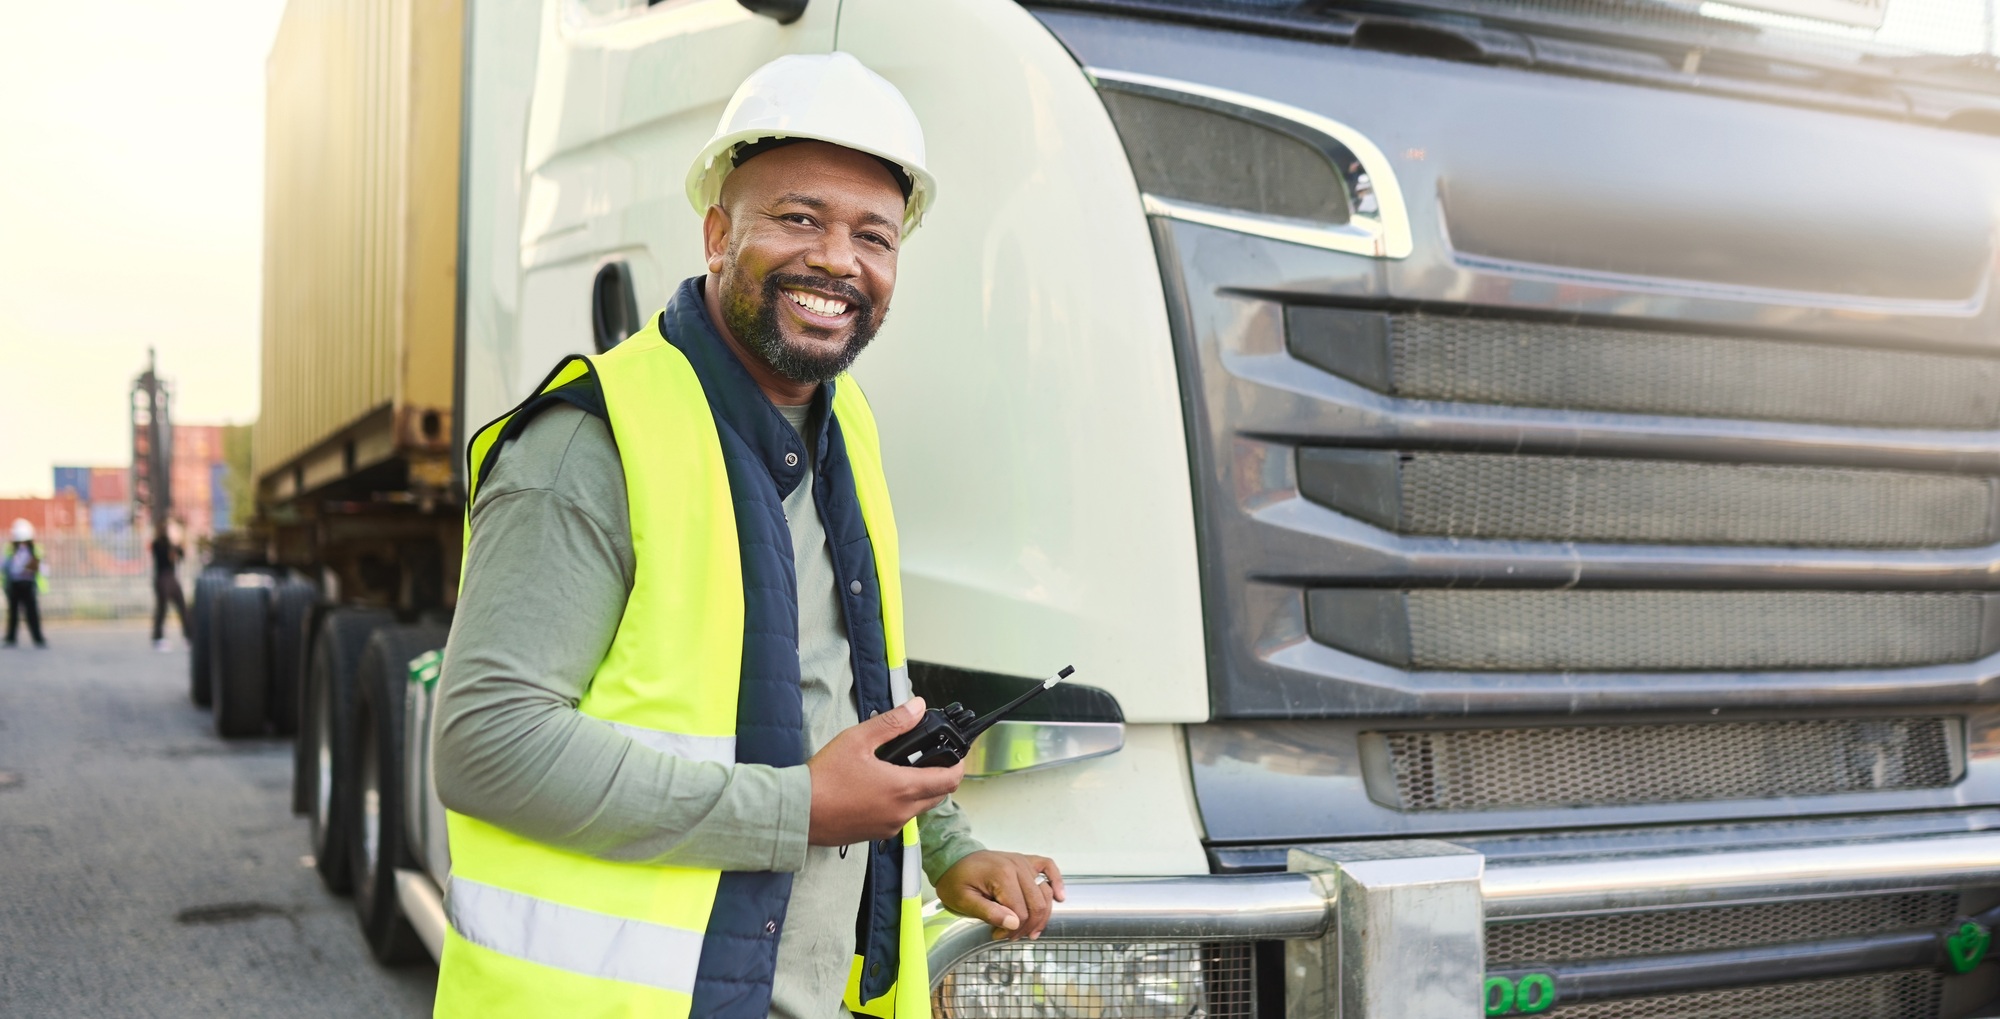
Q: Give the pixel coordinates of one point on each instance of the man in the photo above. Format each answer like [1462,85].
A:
[23,569]
[679,641]
[167,556]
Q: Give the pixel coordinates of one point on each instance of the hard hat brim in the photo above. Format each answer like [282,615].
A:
[712,167]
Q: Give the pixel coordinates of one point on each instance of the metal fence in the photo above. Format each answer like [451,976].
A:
[101,576]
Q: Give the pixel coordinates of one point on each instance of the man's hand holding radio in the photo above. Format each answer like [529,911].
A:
[857,797]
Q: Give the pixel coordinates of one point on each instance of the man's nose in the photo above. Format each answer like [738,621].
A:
[834,254]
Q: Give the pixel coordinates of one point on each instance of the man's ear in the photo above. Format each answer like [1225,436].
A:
[715,237]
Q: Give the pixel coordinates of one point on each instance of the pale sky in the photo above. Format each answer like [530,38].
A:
[131,211]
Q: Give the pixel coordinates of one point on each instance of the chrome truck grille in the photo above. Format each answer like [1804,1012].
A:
[1592,765]
[1680,556]
[1483,500]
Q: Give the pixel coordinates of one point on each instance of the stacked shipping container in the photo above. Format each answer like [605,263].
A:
[61,514]
[197,455]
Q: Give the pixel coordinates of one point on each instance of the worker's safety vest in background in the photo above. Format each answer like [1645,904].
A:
[539,931]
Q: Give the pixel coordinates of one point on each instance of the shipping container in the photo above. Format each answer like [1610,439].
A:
[361,234]
[60,514]
[110,485]
[221,506]
[198,443]
[108,519]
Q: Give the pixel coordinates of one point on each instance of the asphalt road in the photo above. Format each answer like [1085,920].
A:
[147,868]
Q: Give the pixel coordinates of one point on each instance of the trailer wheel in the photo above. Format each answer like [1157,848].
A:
[378,843]
[326,767]
[207,588]
[304,756]
[291,613]
[243,658]
[211,672]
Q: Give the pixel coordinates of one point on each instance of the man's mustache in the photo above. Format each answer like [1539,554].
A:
[825,285]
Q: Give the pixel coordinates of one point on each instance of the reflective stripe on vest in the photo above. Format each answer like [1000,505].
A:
[577,940]
[538,931]
[719,749]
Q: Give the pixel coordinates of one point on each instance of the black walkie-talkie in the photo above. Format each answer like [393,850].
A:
[945,735]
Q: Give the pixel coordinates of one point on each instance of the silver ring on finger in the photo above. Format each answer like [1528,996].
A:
[1041,877]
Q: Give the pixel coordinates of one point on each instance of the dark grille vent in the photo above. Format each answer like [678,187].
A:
[1538,364]
[1885,996]
[1204,155]
[1546,498]
[1628,935]
[1623,631]
[1607,765]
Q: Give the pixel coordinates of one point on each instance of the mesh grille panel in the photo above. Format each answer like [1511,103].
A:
[1187,152]
[1541,365]
[1665,630]
[1598,765]
[1915,995]
[1627,935]
[1564,499]
[1164,979]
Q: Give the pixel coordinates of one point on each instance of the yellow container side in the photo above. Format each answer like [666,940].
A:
[360,238]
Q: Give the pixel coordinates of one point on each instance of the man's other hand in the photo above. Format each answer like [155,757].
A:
[1000,888]
[858,797]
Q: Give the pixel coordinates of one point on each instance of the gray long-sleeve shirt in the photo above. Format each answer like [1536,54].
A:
[547,576]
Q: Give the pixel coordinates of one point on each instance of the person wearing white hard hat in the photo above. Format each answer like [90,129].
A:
[23,568]
[679,636]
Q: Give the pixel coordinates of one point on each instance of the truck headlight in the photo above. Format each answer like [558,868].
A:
[1090,979]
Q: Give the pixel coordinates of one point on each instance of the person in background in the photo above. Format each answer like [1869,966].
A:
[167,556]
[23,567]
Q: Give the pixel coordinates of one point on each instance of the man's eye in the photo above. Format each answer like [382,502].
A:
[876,239]
[798,218]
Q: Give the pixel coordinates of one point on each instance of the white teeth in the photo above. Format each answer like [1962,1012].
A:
[816,303]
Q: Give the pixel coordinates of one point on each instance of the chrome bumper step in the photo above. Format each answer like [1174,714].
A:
[1397,929]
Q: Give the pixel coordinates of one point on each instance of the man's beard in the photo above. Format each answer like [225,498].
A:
[756,327]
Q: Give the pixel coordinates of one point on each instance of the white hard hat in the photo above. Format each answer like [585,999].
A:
[827,97]
[23,530]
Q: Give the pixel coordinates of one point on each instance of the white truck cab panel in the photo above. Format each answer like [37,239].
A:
[1025,381]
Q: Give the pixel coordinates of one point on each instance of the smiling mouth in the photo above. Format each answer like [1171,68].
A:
[827,307]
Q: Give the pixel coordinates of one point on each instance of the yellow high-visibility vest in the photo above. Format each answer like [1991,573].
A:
[538,931]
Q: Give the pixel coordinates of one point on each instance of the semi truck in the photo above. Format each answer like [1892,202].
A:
[1519,479]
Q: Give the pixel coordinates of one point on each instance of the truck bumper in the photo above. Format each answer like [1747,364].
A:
[1399,929]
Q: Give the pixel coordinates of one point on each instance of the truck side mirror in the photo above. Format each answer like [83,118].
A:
[784,12]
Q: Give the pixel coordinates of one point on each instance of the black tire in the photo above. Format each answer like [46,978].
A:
[378,841]
[207,588]
[243,660]
[291,613]
[211,672]
[304,754]
[326,737]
